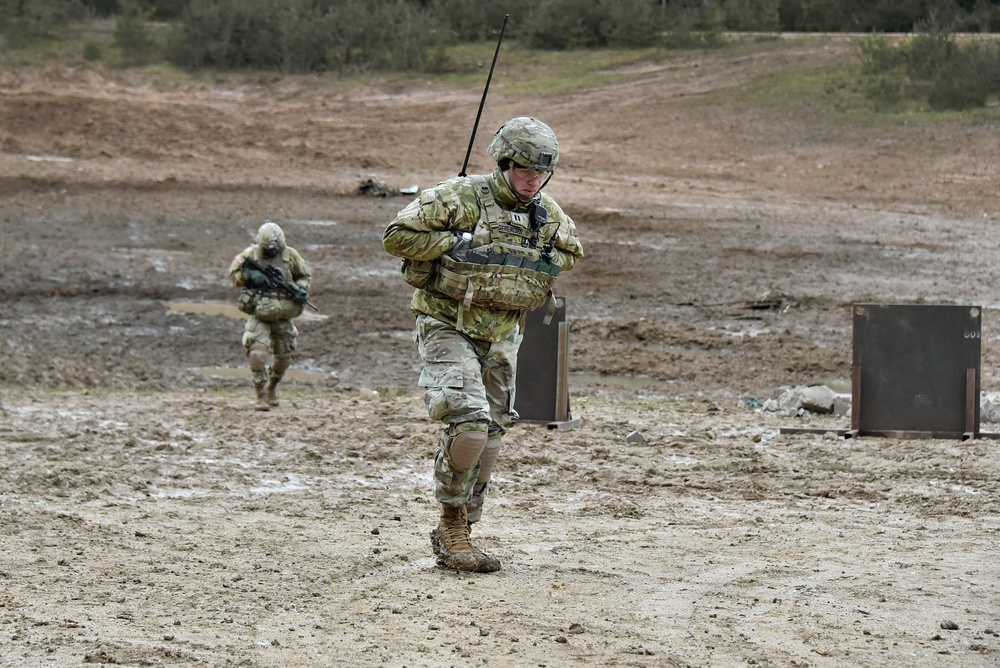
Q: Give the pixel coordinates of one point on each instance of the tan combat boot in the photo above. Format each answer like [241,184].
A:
[274,376]
[262,402]
[452,546]
[272,391]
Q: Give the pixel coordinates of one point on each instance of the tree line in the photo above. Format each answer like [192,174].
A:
[326,34]
[356,36]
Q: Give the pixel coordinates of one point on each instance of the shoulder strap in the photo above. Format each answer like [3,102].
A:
[489,210]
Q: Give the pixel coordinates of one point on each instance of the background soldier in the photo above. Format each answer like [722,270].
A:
[481,250]
[269,327]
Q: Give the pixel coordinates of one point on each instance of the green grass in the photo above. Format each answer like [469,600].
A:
[829,89]
[777,80]
[525,71]
[522,71]
[65,47]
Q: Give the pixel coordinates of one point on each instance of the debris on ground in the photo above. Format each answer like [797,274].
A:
[815,399]
[771,301]
[373,186]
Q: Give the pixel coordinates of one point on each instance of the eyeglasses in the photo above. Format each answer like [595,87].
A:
[530,173]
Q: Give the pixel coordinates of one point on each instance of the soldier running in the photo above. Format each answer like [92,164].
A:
[481,251]
[270,329]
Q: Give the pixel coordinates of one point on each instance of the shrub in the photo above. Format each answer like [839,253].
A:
[475,20]
[878,56]
[967,78]
[91,50]
[572,24]
[752,15]
[132,35]
[631,23]
[23,23]
[930,67]
[566,24]
[694,24]
[305,35]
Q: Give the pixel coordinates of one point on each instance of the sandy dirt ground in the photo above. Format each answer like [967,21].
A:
[150,517]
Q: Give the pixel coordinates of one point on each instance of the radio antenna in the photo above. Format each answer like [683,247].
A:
[482,102]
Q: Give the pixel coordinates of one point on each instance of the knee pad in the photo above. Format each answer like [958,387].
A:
[466,448]
[258,360]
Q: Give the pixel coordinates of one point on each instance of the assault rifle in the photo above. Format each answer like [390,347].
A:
[275,279]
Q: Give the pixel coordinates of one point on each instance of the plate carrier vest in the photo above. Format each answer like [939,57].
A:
[509,273]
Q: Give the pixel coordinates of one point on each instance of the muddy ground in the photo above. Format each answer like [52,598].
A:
[150,517]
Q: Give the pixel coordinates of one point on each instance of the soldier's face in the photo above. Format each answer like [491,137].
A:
[271,249]
[526,182]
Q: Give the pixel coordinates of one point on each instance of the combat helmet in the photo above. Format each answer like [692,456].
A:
[527,142]
[271,238]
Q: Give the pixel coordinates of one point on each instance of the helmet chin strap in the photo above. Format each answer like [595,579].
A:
[546,183]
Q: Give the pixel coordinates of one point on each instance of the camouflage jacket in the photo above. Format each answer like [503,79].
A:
[428,227]
[290,262]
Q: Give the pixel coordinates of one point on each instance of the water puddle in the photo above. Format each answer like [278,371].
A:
[47,158]
[206,308]
[291,483]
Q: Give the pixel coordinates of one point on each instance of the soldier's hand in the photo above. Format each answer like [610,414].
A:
[302,297]
[256,280]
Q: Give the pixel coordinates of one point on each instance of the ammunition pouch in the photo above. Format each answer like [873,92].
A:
[417,272]
[247,302]
[272,308]
[511,284]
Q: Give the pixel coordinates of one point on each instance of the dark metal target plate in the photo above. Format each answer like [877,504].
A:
[540,393]
[916,369]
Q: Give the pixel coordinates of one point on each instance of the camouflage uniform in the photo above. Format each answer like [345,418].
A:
[273,332]
[469,350]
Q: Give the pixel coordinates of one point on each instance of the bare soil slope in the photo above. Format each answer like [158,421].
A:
[150,517]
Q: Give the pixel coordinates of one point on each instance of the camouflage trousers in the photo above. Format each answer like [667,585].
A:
[278,338]
[469,385]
